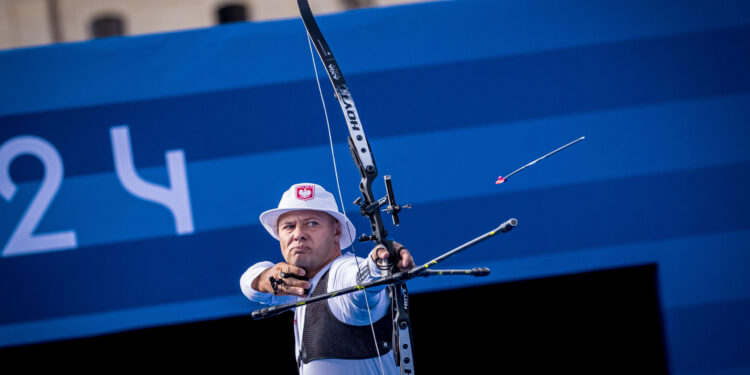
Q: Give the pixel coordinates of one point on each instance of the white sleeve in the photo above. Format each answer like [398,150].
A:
[352,308]
[246,282]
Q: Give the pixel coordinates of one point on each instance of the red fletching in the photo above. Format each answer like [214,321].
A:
[500,180]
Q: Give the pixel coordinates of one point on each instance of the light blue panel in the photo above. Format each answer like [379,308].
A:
[619,144]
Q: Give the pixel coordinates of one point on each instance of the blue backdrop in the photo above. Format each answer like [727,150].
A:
[133,169]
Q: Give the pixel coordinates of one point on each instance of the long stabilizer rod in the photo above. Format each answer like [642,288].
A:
[503,228]
[421,271]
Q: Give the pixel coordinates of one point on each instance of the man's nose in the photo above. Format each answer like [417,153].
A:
[299,233]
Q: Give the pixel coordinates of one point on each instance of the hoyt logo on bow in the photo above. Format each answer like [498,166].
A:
[334,72]
[351,112]
[305,192]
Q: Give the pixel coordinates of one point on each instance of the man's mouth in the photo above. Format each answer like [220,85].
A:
[299,250]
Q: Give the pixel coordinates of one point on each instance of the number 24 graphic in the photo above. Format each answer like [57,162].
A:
[23,241]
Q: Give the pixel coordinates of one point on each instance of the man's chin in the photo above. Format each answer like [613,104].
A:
[300,262]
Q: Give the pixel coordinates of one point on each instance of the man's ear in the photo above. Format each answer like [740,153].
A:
[336,229]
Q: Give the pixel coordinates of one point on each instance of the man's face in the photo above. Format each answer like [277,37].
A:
[309,239]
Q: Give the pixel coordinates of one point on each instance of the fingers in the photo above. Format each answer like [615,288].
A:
[286,283]
[290,269]
[286,289]
[405,263]
[381,252]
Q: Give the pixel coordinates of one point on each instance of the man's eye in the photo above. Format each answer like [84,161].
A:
[288,227]
[312,223]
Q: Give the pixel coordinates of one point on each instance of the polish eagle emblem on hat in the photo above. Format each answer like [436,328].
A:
[305,192]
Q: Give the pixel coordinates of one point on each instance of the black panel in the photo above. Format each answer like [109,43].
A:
[597,322]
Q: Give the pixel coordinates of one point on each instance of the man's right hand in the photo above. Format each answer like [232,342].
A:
[289,286]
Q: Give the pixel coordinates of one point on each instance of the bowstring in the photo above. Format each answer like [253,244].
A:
[341,200]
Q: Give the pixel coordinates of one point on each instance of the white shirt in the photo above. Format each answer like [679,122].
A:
[349,308]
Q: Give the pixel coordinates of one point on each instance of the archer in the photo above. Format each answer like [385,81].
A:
[336,336]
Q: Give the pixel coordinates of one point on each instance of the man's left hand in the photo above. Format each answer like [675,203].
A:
[405,261]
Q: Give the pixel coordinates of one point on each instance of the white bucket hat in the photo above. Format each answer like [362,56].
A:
[308,196]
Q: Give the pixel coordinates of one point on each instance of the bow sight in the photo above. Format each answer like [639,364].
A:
[393,209]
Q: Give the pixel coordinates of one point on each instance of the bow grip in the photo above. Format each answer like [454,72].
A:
[393,257]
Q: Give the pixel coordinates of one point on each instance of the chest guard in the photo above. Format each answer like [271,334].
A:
[324,336]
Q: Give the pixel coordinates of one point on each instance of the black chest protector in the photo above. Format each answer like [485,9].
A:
[324,336]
